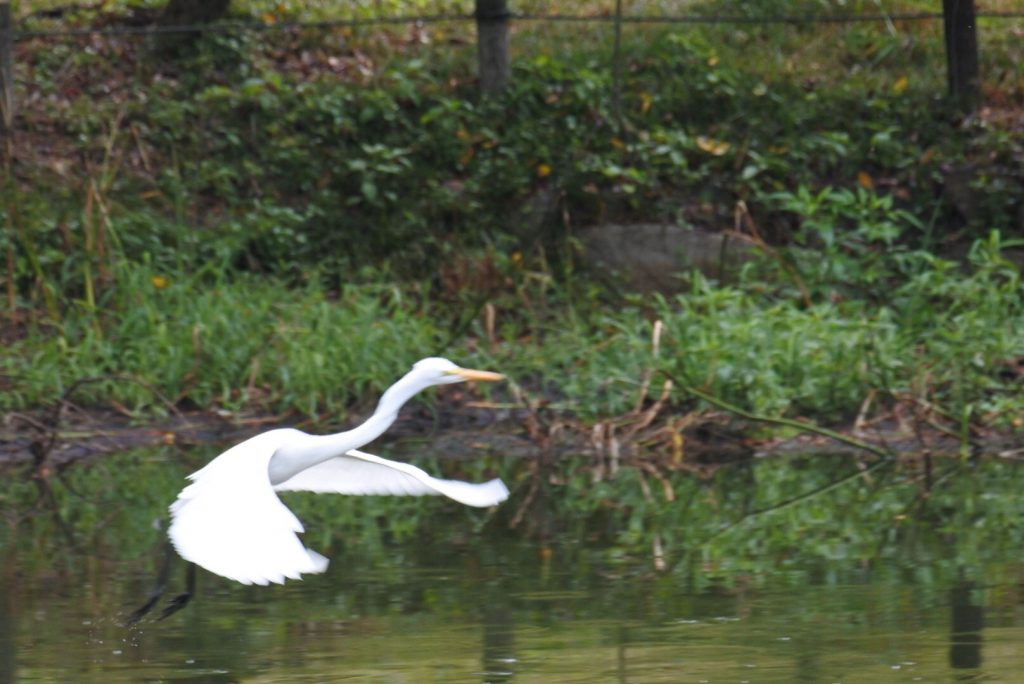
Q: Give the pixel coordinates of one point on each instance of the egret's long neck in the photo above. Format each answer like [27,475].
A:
[293,458]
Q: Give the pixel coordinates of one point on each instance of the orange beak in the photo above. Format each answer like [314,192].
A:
[481,375]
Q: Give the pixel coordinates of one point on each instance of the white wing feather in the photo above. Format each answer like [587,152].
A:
[360,473]
[230,521]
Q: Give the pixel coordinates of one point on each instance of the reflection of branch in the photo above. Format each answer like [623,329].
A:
[47,496]
[787,422]
[886,457]
[792,501]
[922,496]
[528,499]
[49,430]
[799,498]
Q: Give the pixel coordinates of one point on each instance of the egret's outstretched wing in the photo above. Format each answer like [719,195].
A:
[357,472]
[230,521]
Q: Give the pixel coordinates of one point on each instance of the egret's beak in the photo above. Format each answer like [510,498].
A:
[481,375]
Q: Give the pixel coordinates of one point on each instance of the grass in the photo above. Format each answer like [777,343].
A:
[944,337]
[224,344]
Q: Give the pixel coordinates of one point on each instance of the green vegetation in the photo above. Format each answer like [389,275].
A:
[284,221]
[383,208]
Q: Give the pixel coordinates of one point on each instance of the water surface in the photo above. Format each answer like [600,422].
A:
[838,587]
[513,615]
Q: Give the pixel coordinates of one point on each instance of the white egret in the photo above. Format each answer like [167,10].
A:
[230,521]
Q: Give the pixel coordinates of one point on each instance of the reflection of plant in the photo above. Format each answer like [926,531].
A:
[764,523]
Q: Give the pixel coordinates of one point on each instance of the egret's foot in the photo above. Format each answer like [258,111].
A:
[142,611]
[181,600]
[174,605]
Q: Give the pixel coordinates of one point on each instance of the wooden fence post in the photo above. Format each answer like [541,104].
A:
[492,43]
[960,26]
[6,131]
[6,69]
[617,68]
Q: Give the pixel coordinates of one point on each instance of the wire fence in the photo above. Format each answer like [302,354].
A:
[330,24]
[493,18]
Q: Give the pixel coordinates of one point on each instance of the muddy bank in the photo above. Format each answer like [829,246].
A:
[697,441]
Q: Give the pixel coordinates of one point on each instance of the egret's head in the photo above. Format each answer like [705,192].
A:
[438,371]
[427,373]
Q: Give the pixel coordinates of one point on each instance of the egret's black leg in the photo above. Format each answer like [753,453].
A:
[181,600]
[156,593]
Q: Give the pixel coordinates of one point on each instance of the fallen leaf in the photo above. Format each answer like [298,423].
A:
[712,146]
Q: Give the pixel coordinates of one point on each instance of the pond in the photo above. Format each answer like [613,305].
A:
[485,605]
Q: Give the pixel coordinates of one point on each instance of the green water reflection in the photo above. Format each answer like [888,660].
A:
[474,603]
[504,615]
